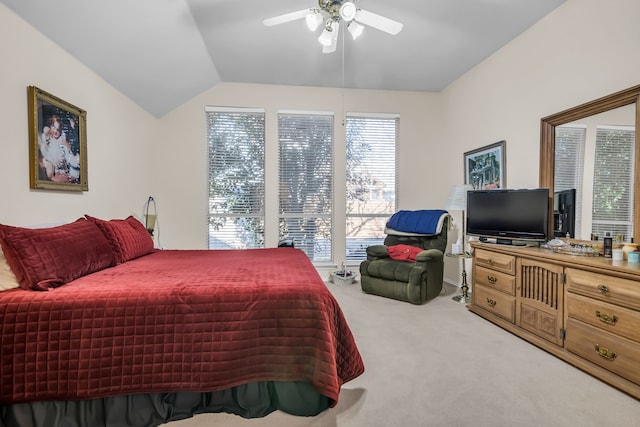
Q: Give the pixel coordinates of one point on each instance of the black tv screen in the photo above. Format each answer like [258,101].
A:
[508,216]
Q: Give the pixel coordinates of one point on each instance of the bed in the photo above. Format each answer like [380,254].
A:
[106,330]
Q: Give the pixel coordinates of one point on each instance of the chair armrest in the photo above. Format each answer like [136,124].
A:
[429,255]
[377,252]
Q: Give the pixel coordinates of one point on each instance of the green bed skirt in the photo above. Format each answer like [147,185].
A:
[251,400]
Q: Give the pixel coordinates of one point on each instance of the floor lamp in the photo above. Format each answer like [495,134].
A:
[458,202]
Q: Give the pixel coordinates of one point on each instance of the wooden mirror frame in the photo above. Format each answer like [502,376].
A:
[548,144]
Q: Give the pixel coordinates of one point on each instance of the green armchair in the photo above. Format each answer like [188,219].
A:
[414,282]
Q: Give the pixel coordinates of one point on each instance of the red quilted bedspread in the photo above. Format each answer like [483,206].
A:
[176,321]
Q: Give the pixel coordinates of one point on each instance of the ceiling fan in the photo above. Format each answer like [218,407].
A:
[330,13]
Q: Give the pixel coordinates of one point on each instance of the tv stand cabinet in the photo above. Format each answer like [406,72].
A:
[584,310]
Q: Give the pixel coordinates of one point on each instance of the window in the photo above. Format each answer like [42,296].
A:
[297,174]
[613,181]
[306,182]
[371,180]
[569,165]
[236,150]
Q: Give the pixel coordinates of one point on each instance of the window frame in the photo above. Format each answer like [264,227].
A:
[284,217]
[258,213]
[380,215]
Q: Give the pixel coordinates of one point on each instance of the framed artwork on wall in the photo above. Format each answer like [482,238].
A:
[57,143]
[485,168]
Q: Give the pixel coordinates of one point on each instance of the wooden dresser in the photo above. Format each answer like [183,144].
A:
[584,310]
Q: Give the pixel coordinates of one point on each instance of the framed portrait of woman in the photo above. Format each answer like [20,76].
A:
[57,143]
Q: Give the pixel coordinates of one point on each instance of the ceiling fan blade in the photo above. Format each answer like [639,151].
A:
[379,22]
[287,17]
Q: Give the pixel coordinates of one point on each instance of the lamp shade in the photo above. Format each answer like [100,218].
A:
[151,221]
[333,44]
[458,197]
[326,37]
[150,215]
[313,20]
[355,29]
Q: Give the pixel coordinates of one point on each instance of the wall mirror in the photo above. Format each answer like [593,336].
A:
[618,114]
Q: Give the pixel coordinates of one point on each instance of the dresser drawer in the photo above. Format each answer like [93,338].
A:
[616,354]
[606,288]
[612,318]
[495,280]
[495,261]
[494,301]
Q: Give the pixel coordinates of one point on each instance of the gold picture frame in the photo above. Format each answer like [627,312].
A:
[57,143]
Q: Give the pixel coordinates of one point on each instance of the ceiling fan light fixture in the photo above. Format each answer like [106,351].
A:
[329,49]
[335,30]
[326,37]
[332,13]
[355,29]
[348,11]
[313,20]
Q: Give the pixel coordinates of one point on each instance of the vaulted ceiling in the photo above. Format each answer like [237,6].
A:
[161,53]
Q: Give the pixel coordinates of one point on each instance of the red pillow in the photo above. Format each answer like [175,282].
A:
[403,252]
[128,237]
[43,258]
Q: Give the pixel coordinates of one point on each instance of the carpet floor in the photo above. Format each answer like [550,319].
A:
[440,365]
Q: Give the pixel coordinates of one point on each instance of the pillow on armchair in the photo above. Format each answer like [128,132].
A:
[403,252]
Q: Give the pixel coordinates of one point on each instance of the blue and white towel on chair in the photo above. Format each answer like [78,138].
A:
[422,222]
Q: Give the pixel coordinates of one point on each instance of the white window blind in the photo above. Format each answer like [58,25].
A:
[236,178]
[306,182]
[371,180]
[613,181]
[569,165]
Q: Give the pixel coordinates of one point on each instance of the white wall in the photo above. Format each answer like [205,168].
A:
[119,133]
[182,170]
[583,50]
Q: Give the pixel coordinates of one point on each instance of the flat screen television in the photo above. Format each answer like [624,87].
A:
[564,213]
[508,216]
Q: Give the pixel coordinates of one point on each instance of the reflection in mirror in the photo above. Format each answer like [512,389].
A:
[593,175]
[594,185]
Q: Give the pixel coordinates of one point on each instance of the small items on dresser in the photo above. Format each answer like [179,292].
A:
[617,255]
[633,257]
[629,247]
[608,246]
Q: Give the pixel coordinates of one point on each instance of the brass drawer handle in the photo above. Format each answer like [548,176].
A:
[492,279]
[611,320]
[603,289]
[491,302]
[490,261]
[605,353]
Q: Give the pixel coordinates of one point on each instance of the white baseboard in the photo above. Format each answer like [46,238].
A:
[457,285]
